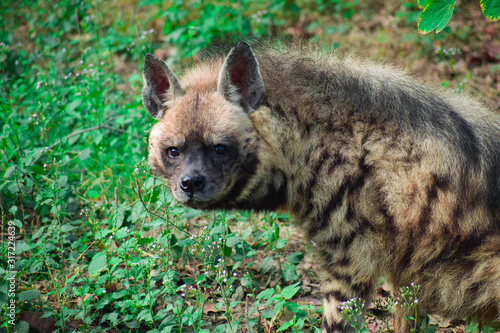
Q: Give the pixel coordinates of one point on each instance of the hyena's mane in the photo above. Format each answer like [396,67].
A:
[311,89]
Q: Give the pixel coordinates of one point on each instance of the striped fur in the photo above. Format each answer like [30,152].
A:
[387,177]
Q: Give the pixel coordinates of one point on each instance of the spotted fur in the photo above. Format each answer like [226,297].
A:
[387,177]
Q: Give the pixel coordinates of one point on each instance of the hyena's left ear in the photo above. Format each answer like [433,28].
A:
[239,80]
[160,86]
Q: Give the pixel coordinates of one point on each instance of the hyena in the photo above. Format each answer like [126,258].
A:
[386,177]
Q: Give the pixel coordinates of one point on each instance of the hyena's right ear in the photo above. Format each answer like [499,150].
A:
[160,86]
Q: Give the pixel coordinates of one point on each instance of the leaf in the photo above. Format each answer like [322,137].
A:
[9,171]
[28,295]
[70,108]
[92,194]
[120,216]
[144,240]
[21,247]
[289,273]
[267,313]
[280,244]
[266,265]
[295,258]
[285,326]
[62,181]
[68,227]
[84,154]
[266,294]
[289,291]
[421,3]
[232,241]
[436,15]
[491,9]
[97,264]
[145,3]
[136,211]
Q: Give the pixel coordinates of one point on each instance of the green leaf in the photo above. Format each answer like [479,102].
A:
[121,233]
[21,247]
[97,263]
[232,241]
[120,216]
[9,171]
[267,313]
[62,181]
[93,194]
[436,15]
[421,3]
[285,326]
[28,295]
[266,294]
[289,291]
[295,258]
[136,211]
[266,265]
[144,240]
[491,9]
[84,154]
[289,273]
[145,3]
[70,108]
[281,243]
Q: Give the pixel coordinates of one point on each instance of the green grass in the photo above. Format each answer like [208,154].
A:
[91,238]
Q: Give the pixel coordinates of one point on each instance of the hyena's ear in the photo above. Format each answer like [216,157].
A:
[239,80]
[160,86]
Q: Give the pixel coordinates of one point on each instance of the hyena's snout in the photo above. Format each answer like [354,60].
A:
[192,182]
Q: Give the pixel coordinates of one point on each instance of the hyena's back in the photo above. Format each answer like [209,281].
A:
[413,173]
[386,177]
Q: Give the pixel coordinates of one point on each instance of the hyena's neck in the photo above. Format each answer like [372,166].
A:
[315,178]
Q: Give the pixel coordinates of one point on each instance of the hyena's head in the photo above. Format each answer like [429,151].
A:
[204,143]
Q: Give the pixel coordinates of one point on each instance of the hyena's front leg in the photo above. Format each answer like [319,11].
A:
[337,289]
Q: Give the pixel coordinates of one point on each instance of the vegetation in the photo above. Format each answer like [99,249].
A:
[437,13]
[92,240]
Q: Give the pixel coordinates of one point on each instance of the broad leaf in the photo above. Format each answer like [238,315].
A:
[436,15]
[491,9]
[97,264]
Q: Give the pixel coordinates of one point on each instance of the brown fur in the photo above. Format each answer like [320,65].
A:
[386,177]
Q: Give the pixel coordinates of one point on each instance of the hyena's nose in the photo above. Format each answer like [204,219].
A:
[192,184]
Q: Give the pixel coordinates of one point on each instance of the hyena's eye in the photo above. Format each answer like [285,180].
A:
[173,152]
[221,150]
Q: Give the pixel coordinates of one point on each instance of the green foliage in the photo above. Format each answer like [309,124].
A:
[491,9]
[437,13]
[193,25]
[99,242]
